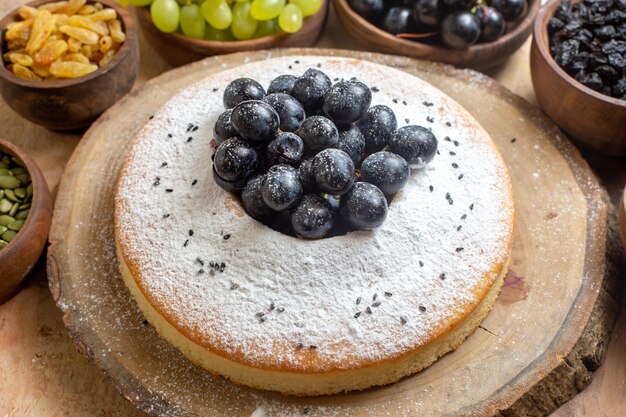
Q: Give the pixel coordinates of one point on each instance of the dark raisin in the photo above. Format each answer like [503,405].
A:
[605,33]
[555,24]
[608,73]
[592,80]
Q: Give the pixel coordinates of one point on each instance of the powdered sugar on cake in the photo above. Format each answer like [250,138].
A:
[244,288]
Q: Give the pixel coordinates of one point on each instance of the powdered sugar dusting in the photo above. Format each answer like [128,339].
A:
[443,233]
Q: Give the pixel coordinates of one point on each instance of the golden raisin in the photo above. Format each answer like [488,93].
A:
[50,52]
[21,59]
[71,69]
[84,35]
[43,25]
[23,72]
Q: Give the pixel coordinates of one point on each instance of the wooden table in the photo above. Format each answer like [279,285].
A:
[44,375]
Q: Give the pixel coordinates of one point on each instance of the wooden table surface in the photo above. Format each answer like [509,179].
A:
[44,375]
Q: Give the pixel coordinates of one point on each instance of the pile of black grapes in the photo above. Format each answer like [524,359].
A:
[308,153]
[456,23]
[588,40]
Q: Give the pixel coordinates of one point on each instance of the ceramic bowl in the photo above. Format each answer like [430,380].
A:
[72,104]
[20,256]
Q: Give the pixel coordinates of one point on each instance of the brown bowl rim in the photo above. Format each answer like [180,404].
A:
[622,218]
[143,13]
[518,28]
[129,31]
[541,40]
[41,193]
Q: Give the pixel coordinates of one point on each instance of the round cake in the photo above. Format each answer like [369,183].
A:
[313,317]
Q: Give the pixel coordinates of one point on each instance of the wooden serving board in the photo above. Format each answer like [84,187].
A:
[535,350]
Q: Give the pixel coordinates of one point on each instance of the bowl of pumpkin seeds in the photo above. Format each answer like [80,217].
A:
[25,216]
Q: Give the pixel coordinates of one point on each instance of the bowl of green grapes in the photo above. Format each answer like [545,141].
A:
[183,31]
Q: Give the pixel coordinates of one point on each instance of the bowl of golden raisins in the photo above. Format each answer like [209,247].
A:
[65,62]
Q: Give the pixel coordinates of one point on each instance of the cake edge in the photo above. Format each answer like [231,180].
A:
[321,383]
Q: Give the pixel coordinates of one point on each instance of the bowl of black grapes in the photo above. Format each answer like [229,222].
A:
[465,33]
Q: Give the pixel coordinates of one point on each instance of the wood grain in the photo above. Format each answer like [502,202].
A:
[178,49]
[48,376]
[594,120]
[72,104]
[479,56]
[19,257]
[528,371]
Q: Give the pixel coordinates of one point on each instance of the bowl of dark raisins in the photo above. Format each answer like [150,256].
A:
[466,33]
[578,68]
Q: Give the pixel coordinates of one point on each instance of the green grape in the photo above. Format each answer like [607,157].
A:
[266,28]
[212,34]
[165,15]
[308,7]
[244,25]
[290,18]
[241,1]
[266,9]
[123,2]
[140,3]
[217,13]
[192,22]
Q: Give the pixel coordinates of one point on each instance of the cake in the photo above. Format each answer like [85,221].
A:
[313,317]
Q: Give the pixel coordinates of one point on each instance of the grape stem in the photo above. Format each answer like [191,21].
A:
[416,35]
[479,5]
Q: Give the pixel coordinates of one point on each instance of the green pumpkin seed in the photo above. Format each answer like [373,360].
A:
[16,225]
[5,205]
[24,178]
[16,161]
[8,235]
[7,181]
[14,209]
[21,215]
[20,193]
[5,219]
[11,196]
[16,192]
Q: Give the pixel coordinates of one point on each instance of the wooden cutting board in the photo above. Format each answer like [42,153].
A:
[536,349]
